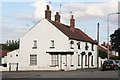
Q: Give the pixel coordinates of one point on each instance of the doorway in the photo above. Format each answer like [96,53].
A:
[63,61]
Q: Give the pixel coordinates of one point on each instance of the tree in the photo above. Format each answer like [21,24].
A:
[11,45]
[103,54]
[115,41]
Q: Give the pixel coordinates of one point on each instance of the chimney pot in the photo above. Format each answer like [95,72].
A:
[104,43]
[57,13]
[72,17]
[57,17]
[48,8]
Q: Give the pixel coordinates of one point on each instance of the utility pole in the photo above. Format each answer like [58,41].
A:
[98,45]
[119,14]
[60,9]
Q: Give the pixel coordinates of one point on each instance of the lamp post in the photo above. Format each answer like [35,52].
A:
[108,30]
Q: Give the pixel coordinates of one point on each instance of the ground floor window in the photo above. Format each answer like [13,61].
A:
[78,60]
[66,59]
[54,60]
[72,60]
[92,61]
[33,59]
[85,60]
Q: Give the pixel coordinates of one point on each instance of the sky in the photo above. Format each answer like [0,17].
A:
[18,16]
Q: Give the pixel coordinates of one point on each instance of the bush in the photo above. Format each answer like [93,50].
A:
[115,58]
[102,54]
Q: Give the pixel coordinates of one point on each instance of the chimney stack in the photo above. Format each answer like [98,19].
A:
[48,13]
[72,22]
[57,17]
[104,43]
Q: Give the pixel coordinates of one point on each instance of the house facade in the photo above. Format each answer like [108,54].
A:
[51,45]
[3,54]
[104,47]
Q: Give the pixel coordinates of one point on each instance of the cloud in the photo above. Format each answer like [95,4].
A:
[84,12]
[12,32]
[40,7]
[88,12]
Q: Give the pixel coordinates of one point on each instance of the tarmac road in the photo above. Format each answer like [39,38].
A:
[62,74]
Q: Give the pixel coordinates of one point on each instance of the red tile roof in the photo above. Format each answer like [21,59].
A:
[76,33]
[106,45]
[113,56]
[3,52]
[104,49]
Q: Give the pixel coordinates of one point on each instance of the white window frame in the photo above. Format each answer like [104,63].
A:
[71,44]
[78,44]
[33,60]
[52,45]
[71,60]
[54,60]
[78,60]
[35,44]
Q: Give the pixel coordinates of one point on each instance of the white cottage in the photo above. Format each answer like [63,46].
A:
[51,45]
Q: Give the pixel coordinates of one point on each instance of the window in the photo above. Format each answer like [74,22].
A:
[85,60]
[71,61]
[78,45]
[54,60]
[16,54]
[78,60]
[52,44]
[4,65]
[71,45]
[86,46]
[92,61]
[33,59]
[35,44]
[66,60]
[92,47]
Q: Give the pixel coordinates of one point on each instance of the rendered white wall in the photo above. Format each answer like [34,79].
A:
[43,32]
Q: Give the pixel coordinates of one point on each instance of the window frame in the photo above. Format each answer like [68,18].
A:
[71,44]
[52,44]
[78,44]
[34,44]
[86,46]
[71,61]
[78,60]
[54,60]
[92,47]
[33,61]
[92,61]
[86,60]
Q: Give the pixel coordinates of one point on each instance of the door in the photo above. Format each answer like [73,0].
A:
[13,66]
[63,62]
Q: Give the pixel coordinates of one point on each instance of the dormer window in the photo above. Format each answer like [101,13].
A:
[52,44]
[71,45]
[86,46]
[35,44]
[78,45]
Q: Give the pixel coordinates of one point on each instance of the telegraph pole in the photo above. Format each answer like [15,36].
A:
[119,14]
[98,45]
[60,8]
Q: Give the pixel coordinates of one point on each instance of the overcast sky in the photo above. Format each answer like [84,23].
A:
[16,18]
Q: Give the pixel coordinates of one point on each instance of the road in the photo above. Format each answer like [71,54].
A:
[62,74]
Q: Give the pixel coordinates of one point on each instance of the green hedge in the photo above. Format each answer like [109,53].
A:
[115,58]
